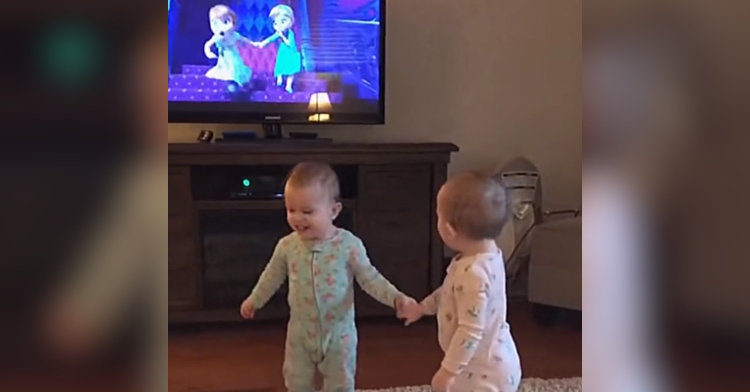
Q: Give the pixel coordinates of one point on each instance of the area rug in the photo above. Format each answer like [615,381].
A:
[527,385]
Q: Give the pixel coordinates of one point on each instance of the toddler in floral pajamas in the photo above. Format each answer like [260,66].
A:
[321,262]
[480,354]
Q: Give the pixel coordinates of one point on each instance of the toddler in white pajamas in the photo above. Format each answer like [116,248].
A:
[480,354]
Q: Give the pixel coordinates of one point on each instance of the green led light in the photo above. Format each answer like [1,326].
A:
[71,54]
[246,182]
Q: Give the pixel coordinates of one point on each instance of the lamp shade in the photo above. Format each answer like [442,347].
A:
[320,102]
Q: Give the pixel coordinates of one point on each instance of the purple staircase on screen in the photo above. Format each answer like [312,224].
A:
[192,85]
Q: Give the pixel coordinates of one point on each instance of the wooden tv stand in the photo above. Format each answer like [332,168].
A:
[391,203]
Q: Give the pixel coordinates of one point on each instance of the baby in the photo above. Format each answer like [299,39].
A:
[321,262]
[480,354]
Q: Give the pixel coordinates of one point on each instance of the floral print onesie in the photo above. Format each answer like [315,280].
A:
[472,327]
[321,333]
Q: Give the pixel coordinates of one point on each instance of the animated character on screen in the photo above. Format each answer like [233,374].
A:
[230,65]
[288,58]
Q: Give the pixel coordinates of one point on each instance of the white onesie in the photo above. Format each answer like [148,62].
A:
[471,308]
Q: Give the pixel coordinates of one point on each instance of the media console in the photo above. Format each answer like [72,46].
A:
[226,213]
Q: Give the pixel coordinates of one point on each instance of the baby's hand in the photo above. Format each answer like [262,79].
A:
[408,310]
[442,380]
[210,54]
[247,310]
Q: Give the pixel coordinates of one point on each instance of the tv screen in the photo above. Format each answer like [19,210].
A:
[276,61]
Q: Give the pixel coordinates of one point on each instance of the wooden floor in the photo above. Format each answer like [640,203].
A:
[248,357]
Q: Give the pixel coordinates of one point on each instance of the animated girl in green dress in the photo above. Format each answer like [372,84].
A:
[230,65]
[288,58]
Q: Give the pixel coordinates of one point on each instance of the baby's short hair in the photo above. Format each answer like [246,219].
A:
[310,173]
[475,205]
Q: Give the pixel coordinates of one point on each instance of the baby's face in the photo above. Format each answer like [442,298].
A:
[442,223]
[310,211]
[447,233]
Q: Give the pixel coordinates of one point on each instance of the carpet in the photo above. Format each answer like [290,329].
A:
[527,385]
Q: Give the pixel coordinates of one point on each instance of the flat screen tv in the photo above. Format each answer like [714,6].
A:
[276,61]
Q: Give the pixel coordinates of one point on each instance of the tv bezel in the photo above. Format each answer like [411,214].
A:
[180,112]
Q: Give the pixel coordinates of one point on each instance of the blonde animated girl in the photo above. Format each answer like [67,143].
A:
[230,65]
[288,58]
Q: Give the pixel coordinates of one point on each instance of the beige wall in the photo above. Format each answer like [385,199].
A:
[499,78]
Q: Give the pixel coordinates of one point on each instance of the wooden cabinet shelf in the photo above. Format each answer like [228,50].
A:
[252,204]
[389,202]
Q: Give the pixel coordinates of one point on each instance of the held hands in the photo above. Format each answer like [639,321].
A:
[442,380]
[247,310]
[408,309]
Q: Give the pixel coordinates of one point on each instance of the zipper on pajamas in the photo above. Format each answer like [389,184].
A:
[315,299]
